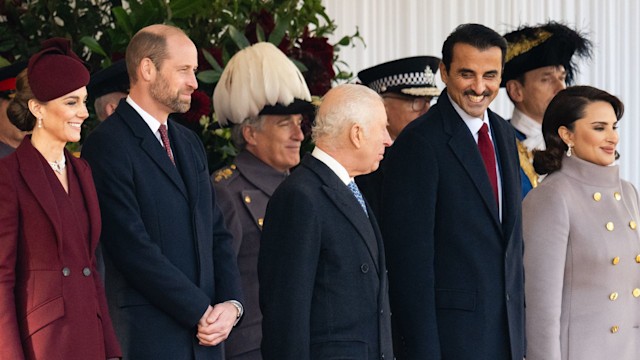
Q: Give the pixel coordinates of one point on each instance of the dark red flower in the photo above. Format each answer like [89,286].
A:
[266,22]
[200,106]
[317,55]
[203,64]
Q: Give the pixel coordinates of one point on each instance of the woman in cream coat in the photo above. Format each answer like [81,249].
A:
[582,247]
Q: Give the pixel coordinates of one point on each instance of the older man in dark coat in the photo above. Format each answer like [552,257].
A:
[323,283]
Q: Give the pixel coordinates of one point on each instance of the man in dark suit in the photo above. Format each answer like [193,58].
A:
[452,218]
[172,279]
[321,268]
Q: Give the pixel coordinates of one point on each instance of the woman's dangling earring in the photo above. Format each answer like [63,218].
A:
[39,122]
[569,152]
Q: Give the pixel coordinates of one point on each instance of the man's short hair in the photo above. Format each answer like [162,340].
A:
[476,35]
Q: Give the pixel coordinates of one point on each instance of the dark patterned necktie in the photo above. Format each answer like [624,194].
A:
[356,192]
[165,141]
[489,158]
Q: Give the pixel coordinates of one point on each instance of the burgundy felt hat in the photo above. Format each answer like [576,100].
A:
[56,70]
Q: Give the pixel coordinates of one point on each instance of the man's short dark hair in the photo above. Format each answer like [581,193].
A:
[476,35]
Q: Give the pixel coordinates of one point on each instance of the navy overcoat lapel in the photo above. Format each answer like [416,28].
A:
[346,203]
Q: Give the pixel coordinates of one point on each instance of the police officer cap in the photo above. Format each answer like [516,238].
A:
[409,76]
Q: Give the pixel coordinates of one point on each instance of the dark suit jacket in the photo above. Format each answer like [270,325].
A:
[323,284]
[33,286]
[167,252]
[455,270]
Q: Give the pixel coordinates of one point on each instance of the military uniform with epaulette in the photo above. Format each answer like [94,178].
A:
[243,190]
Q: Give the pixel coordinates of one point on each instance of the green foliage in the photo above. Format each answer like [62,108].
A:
[101,29]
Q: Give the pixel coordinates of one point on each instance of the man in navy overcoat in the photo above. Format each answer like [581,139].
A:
[171,276]
[454,237]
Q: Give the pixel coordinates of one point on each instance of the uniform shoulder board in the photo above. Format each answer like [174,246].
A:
[225,173]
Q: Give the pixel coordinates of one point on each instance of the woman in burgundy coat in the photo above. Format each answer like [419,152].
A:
[52,302]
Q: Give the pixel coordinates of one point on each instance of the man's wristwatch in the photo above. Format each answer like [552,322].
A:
[240,309]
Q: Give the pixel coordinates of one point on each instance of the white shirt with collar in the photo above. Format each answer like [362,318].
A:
[333,164]
[153,123]
[474,124]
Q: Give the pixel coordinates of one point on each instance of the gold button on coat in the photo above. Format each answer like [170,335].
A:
[617,195]
[638,258]
[613,296]
[609,226]
[636,292]
[597,196]
[247,199]
[615,260]
[260,222]
[614,329]
[633,225]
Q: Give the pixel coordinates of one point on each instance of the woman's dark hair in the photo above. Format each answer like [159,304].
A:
[565,108]
[18,109]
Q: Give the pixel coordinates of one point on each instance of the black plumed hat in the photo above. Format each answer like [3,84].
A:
[549,44]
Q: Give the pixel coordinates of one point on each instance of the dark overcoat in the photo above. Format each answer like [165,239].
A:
[322,273]
[455,269]
[167,251]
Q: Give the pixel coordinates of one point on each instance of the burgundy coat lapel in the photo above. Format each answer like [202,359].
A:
[32,172]
[90,199]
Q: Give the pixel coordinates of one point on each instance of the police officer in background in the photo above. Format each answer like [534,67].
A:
[267,114]
[407,87]
[539,63]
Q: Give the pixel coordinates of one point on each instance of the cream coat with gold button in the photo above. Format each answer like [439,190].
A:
[582,270]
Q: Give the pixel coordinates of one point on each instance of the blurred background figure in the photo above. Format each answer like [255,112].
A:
[52,300]
[10,135]
[582,246]
[263,94]
[407,87]
[541,60]
[107,87]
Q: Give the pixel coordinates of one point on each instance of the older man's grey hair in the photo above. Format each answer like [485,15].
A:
[237,136]
[355,106]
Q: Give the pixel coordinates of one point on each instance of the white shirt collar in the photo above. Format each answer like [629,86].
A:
[473,123]
[153,123]
[333,164]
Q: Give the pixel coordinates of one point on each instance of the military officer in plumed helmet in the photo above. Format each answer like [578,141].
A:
[264,96]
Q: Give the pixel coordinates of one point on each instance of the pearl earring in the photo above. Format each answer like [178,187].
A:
[569,152]
[39,122]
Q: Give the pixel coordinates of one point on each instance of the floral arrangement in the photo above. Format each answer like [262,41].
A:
[101,30]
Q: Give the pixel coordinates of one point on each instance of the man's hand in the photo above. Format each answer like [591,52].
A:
[215,325]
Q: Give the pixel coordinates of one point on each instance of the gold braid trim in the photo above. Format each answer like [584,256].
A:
[526,157]
[525,45]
